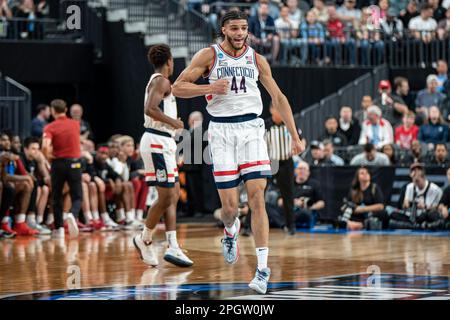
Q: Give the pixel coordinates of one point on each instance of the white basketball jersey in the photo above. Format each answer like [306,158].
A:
[242,73]
[168,106]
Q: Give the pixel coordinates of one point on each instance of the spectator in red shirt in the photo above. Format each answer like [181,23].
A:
[406,133]
[338,39]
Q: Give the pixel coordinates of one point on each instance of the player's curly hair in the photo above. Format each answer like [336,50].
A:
[233,14]
[158,55]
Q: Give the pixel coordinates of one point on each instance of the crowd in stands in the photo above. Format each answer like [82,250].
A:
[396,127]
[343,31]
[19,19]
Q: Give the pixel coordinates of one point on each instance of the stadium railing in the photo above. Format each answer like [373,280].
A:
[311,120]
[56,30]
[362,46]
[15,106]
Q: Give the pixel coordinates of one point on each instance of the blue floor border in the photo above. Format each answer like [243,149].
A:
[331,230]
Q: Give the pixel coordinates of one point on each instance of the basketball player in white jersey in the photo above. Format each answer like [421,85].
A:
[158,149]
[236,133]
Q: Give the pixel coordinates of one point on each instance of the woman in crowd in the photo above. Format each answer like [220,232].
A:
[389,150]
[368,200]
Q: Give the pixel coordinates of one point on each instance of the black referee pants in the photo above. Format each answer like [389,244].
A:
[284,179]
[66,170]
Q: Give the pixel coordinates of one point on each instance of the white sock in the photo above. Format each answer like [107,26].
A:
[50,218]
[130,216]
[105,216]
[262,255]
[20,218]
[5,219]
[87,216]
[95,215]
[139,214]
[231,230]
[147,235]
[40,218]
[31,218]
[120,215]
[171,237]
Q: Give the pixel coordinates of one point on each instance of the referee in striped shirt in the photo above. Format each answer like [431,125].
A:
[279,146]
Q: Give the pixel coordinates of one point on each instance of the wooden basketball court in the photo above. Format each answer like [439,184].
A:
[305,266]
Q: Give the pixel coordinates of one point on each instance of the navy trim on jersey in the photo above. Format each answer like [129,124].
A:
[235,119]
[235,58]
[256,175]
[228,184]
[160,133]
[255,61]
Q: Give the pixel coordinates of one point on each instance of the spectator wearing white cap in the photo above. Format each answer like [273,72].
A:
[375,129]
[428,97]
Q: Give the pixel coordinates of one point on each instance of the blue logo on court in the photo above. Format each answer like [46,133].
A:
[348,287]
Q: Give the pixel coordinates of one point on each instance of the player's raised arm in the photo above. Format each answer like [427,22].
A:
[280,102]
[156,92]
[184,86]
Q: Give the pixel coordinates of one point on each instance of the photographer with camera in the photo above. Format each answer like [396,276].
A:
[308,197]
[365,209]
[420,205]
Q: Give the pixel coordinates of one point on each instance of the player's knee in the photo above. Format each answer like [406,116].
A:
[230,209]
[28,187]
[92,187]
[174,197]
[256,199]
[45,191]
[101,186]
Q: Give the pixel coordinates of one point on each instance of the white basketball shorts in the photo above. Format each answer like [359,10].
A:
[158,150]
[238,150]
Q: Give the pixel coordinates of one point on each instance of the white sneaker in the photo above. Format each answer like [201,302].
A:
[58,233]
[145,251]
[110,224]
[260,281]
[177,257]
[43,230]
[230,246]
[73,226]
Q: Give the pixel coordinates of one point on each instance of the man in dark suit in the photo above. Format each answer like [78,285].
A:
[349,126]
[262,32]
